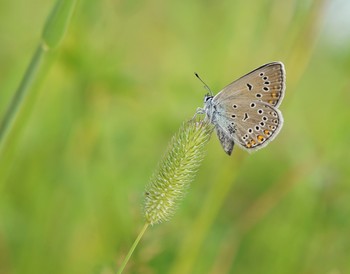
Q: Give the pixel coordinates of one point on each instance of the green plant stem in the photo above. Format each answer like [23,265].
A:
[57,23]
[21,92]
[53,33]
[132,249]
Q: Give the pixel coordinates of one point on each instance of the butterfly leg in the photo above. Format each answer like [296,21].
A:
[198,111]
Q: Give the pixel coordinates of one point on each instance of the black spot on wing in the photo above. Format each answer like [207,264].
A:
[245,116]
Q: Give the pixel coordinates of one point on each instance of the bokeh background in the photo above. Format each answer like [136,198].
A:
[120,85]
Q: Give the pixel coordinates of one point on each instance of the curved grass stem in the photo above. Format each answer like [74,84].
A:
[53,33]
[21,92]
[132,249]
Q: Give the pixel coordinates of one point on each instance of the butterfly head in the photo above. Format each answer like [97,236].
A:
[208,97]
[208,106]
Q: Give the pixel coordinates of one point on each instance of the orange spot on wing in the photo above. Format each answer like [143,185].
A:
[260,138]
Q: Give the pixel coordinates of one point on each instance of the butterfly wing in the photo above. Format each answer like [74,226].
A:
[246,109]
[265,84]
[251,128]
[225,139]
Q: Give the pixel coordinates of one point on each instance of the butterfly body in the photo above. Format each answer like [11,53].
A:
[246,111]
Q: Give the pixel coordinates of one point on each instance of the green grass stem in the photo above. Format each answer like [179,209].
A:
[132,249]
[53,32]
[57,23]
[21,93]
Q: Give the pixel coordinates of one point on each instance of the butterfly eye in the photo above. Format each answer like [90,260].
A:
[207,98]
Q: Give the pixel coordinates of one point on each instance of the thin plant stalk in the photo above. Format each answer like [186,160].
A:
[132,249]
[21,92]
[53,33]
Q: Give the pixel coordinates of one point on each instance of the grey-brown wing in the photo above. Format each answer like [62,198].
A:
[249,127]
[265,84]
[225,139]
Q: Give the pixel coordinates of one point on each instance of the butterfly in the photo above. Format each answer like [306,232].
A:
[246,112]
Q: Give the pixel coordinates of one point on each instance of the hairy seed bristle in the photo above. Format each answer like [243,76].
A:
[176,171]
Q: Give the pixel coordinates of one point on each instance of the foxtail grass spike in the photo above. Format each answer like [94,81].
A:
[176,171]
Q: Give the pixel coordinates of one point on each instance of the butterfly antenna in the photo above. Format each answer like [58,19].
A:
[205,85]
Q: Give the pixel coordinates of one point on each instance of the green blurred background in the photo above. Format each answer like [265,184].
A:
[120,85]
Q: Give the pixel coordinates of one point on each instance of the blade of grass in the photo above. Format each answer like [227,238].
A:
[132,249]
[21,93]
[54,30]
